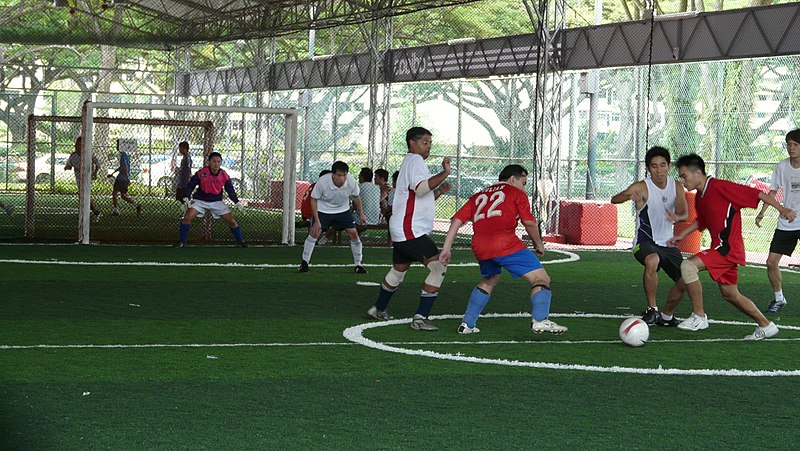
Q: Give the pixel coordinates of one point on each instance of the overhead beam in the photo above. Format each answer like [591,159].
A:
[765,31]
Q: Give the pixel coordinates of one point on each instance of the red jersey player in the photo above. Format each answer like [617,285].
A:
[495,212]
[718,203]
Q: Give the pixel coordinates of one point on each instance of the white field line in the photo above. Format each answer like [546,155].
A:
[355,334]
[568,257]
[394,343]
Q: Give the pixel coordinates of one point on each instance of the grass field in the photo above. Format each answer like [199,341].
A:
[148,347]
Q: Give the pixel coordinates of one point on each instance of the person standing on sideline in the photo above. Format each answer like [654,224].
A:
[382,180]
[718,203]
[183,172]
[660,202]
[330,207]
[410,226]
[74,162]
[210,182]
[122,181]
[370,196]
[494,212]
[786,177]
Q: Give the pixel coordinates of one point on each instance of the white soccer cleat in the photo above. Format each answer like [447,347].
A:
[763,332]
[463,329]
[546,325]
[694,323]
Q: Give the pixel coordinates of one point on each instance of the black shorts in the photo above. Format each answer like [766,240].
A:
[339,221]
[416,250]
[784,241]
[121,186]
[670,258]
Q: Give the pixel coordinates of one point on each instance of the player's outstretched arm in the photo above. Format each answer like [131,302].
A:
[445,254]
[764,207]
[624,195]
[672,242]
[787,213]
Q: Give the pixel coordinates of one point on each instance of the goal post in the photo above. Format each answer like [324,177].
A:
[244,133]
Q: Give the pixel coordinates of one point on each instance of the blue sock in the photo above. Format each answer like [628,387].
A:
[185,231]
[477,301]
[540,305]
[383,298]
[237,232]
[426,301]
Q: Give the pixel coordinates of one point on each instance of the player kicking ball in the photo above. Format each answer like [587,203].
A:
[494,213]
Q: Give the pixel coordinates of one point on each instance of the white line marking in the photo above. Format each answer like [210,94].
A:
[569,257]
[355,334]
[170,345]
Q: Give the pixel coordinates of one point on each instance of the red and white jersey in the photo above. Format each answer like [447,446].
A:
[412,215]
[495,212]
[718,208]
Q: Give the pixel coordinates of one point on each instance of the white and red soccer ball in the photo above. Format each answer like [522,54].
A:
[634,332]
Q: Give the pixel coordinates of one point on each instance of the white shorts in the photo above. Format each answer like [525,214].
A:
[217,208]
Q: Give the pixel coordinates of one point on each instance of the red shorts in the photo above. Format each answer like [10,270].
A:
[719,268]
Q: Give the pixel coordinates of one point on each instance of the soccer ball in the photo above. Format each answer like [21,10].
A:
[634,332]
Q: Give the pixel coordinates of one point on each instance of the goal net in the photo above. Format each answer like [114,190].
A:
[257,147]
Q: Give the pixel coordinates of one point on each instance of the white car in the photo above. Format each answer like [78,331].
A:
[162,174]
[45,172]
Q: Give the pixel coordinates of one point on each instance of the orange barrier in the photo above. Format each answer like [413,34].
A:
[588,222]
[690,244]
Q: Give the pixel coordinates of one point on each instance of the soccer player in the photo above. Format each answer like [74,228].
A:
[122,182]
[74,162]
[718,203]
[660,202]
[183,172]
[210,182]
[410,225]
[785,176]
[494,212]
[330,207]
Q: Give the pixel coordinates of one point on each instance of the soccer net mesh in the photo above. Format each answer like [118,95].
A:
[253,143]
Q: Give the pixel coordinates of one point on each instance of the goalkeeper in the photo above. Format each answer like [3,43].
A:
[210,181]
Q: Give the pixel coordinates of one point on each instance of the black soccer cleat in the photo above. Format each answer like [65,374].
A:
[180,244]
[775,306]
[664,323]
[241,244]
[649,316]
[360,269]
[303,266]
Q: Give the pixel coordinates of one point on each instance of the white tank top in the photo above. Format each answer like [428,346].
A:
[652,223]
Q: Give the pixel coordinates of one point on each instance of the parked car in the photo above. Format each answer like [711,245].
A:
[760,182]
[44,175]
[162,173]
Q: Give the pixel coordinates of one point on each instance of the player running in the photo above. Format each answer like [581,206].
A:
[718,203]
[494,213]
[210,181]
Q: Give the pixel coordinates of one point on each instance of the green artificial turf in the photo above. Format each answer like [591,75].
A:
[224,348]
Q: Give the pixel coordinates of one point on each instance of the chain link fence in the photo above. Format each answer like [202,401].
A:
[733,113]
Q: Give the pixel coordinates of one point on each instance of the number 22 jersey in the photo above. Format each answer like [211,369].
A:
[495,212]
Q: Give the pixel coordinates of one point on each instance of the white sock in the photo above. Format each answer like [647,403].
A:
[308,248]
[779,296]
[355,246]
[666,317]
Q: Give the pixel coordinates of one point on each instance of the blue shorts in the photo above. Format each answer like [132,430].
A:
[518,264]
[339,221]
